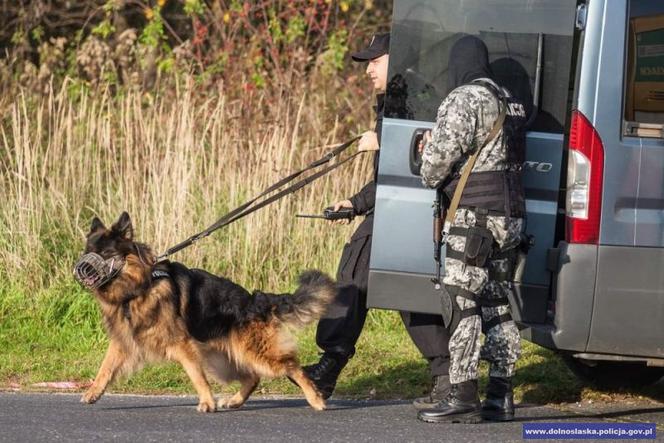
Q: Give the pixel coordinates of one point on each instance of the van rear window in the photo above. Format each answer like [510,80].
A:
[530,49]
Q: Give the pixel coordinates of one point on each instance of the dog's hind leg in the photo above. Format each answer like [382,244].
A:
[190,358]
[248,385]
[310,393]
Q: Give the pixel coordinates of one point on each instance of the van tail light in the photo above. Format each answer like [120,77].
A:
[585,174]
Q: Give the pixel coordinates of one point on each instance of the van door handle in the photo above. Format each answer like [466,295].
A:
[415,156]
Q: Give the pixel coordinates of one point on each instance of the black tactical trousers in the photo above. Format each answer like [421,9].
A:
[339,329]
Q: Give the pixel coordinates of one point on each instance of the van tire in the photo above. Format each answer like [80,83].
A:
[613,374]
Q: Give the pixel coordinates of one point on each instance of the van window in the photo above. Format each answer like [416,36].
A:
[530,49]
[644,80]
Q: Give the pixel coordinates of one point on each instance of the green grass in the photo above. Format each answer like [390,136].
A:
[56,335]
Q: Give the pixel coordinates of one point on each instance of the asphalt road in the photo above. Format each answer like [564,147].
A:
[60,417]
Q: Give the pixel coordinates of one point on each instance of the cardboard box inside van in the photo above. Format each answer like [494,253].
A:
[645,74]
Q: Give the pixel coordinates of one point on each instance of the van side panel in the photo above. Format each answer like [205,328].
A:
[628,314]
[649,204]
[634,183]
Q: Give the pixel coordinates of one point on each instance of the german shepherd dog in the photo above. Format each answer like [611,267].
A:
[211,326]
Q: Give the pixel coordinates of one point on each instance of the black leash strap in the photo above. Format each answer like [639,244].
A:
[246,208]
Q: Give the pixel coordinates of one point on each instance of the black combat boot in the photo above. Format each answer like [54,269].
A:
[441,387]
[324,374]
[462,405]
[499,403]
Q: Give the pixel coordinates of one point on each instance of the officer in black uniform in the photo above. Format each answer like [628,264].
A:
[340,328]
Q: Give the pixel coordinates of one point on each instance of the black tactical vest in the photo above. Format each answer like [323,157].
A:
[500,192]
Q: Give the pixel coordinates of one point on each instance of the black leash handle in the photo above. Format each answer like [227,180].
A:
[289,190]
[245,209]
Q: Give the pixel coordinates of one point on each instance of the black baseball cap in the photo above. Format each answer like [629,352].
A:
[380,45]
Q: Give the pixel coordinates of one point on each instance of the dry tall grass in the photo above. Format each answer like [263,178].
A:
[176,163]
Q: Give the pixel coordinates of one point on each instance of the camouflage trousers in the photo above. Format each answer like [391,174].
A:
[502,345]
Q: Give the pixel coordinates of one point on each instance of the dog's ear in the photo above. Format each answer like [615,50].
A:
[97,225]
[123,227]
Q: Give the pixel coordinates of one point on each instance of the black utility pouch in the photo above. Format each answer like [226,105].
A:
[479,243]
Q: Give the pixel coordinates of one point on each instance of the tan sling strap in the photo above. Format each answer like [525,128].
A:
[497,126]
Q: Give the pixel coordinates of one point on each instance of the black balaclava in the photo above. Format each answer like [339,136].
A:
[469,60]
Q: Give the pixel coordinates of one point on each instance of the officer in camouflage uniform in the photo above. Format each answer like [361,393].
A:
[485,234]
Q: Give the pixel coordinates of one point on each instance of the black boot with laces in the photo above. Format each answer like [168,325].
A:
[462,405]
[324,374]
[440,389]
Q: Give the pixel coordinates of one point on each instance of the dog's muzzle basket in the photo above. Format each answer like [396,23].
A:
[93,271]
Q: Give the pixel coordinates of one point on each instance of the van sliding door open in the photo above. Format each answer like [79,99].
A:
[530,48]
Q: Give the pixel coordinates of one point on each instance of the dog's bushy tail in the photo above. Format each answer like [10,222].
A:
[314,294]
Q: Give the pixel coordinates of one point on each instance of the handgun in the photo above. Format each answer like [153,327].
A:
[330,214]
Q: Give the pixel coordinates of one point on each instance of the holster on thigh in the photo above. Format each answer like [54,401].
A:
[502,265]
[451,311]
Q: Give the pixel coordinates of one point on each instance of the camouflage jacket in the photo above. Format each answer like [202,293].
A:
[463,123]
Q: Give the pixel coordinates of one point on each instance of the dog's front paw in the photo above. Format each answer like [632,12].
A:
[206,406]
[90,396]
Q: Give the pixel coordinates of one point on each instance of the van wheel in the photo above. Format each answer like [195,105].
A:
[613,374]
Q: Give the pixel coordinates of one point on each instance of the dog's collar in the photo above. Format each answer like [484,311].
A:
[158,273]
